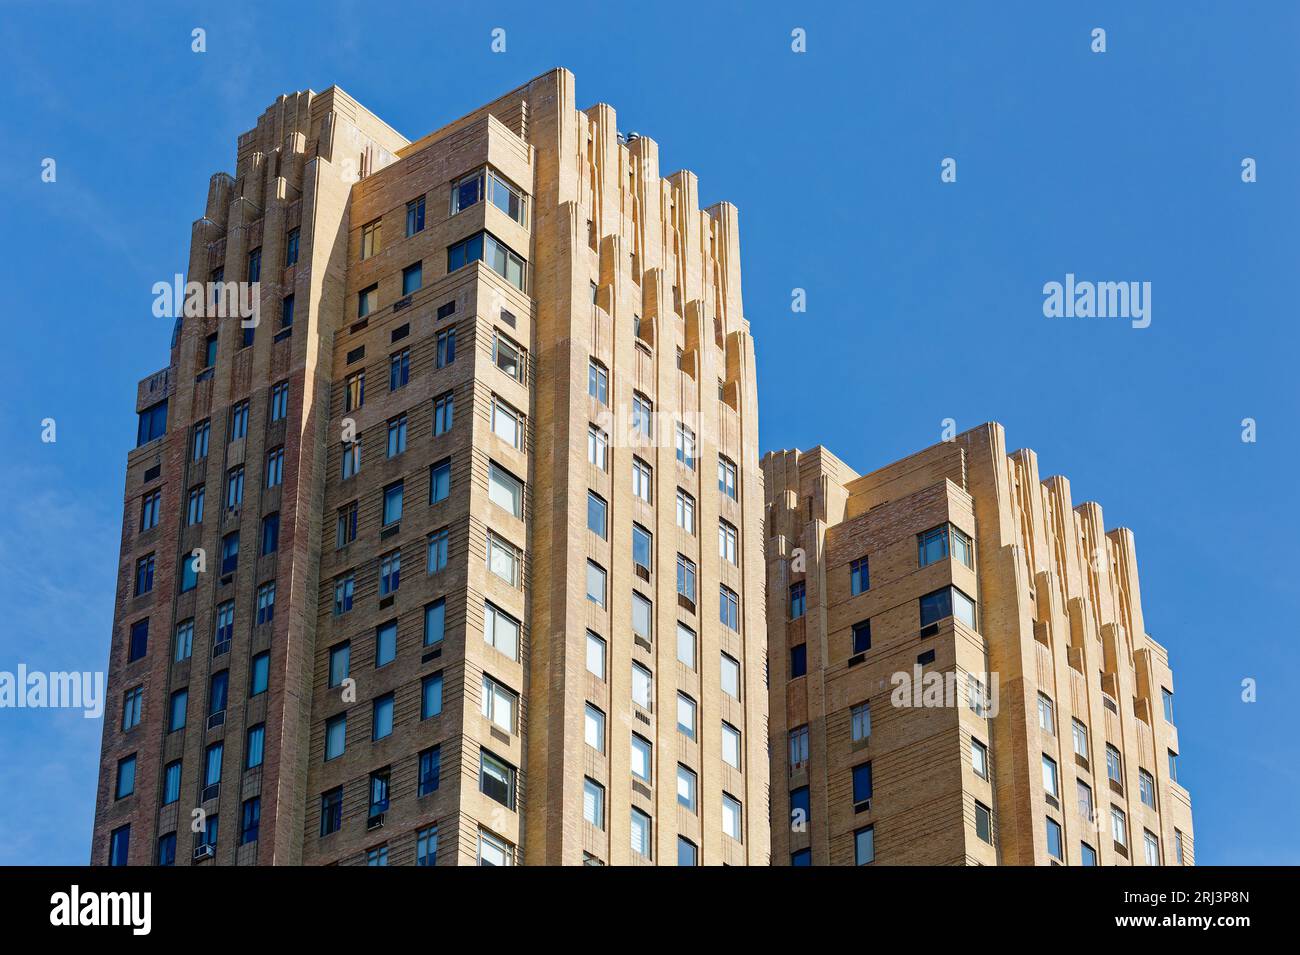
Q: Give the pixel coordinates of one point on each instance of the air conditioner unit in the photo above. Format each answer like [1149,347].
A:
[375,822]
[203,851]
[216,719]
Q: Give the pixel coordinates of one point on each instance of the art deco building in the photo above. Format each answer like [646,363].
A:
[961,669]
[478,505]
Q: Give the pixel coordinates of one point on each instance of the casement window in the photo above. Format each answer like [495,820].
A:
[731,747]
[390,572]
[859,578]
[412,278]
[509,356]
[429,771]
[443,413]
[594,728]
[496,255]
[686,713]
[489,184]
[979,758]
[150,510]
[291,247]
[798,743]
[507,423]
[340,663]
[860,721]
[504,559]
[685,512]
[446,347]
[371,235]
[643,416]
[727,542]
[1051,784]
[132,705]
[346,527]
[864,846]
[500,703]
[798,600]
[396,436]
[354,391]
[415,216]
[144,568]
[435,622]
[729,607]
[152,423]
[351,459]
[392,503]
[727,481]
[1055,848]
[938,542]
[596,583]
[686,578]
[731,816]
[597,514]
[642,686]
[494,851]
[686,645]
[501,630]
[642,480]
[642,548]
[642,761]
[275,467]
[431,696]
[265,603]
[279,400]
[194,508]
[597,447]
[685,446]
[947,602]
[399,369]
[593,802]
[496,779]
[730,679]
[344,589]
[438,542]
[385,643]
[1147,788]
[439,480]
[598,382]
[641,834]
[1046,714]
[596,655]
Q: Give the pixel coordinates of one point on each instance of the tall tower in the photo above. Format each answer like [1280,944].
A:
[961,672]
[455,501]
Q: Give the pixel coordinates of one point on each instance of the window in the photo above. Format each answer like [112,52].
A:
[371,233]
[687,787]
[347,525]
[234,487]
[1178,846]
[643,416]
[685,512]
[125,777]
[467,192]
[438,542]
[415,216]
[593,802]
[730,676]
[598,382]
[595,583]
[331,811]
[132,704]
[597,447]
[378,856]
[1114,765]
[505,490]
[214,757]
[250,820]
[642,686]
[150,509]
[385,643]
[1054,839]
[199,442]
[641,547]
[144,575]
[184,641]
[286,313]
[336,733]
[430,768]
[390,572]
[446,347]
[508,356]
[443,413]
[493,851]
[275,467]
[947,602]
[270,534]
[1167,699]
[798,660]
[727,482]
[641,757]
[507,423]
[435,621]
[279,400]
[798,740]
[392,503]
[210,351]
[497,256]
[431,696]
[379,790]
[1118,826]
[506,197]
[1080,734]
[1147,788]
[439,481]
[254,743]
[412,278]
[217,686]
[686,645]
[1046,714]
[167,849]
[499,703]
[685,446]
[859,578]
[979,758]
[1087,854]
[731,745]
[984,822]
[138,643]
[501,630]
[640,833]
[936,543]
[864,846]
[344,588]
[340,662]
[729,607]
[229,552]
[862,636]
[1084,792]
[291,248]
[595,655]
[642,480]
[1050,785]
[381,717]
[862,783]
[686,715]
[171,783]
[798,601]
[687,852]
[119,844]
[354,391]
[496,779]
[727,539]
[594,728]
[503,559]
[731,816]
[152,423]
[259,673]
[399,370]
[239,420]
[596,514]
[1173,766]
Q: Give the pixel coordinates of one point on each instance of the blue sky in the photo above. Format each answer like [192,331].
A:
[924,298]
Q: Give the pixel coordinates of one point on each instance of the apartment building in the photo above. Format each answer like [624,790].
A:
[961,669]
[421,569]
